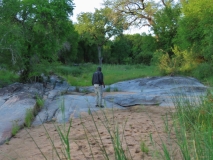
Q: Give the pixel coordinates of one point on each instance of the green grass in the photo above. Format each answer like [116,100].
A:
[192,124]
[82,75]
[144,148]
[15,128]
[7,77]
[29,116]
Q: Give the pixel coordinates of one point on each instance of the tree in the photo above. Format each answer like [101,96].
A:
[38,29]
[99,27]
[195,29]
[134,48]
[137,12]
[165,26]
[122,50]
[143,47]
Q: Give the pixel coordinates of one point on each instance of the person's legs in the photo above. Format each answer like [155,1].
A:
[100,94]
[97,95]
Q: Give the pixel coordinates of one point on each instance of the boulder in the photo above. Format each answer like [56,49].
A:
[14,101]
[155,90]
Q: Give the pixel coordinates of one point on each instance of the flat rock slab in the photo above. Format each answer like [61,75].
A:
[69,106]
[15,100]
[156,90]
[61,101]
[154,84]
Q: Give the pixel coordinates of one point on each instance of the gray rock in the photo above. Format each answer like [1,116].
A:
[14,101]
[67,106]
[59,96]
[155,90]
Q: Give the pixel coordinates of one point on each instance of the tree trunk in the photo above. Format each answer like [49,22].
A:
[99,55]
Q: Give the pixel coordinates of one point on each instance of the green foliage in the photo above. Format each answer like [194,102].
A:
[39,102]
[165,26]
[203,71]
[110,72]
[64,136]
[120,50]
[144,147]
[29,116]
[132,49]
[195,28]
[87,52]
[38,31]
[194,126]
[180,62]
[143,48]
[73,71]
[15,128]
[167,65]
[97,28]
[7,77]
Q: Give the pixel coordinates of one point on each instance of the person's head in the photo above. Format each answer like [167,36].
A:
[99,69]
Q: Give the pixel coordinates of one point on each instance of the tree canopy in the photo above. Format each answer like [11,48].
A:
[99,27]
[38,29]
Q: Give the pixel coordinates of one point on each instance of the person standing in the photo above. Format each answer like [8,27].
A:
[98,82]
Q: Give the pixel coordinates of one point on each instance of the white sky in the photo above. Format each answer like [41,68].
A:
[90,5]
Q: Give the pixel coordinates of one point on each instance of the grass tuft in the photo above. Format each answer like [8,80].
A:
[15,128]
[29,116]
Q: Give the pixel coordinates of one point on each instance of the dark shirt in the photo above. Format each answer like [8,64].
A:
[98,78]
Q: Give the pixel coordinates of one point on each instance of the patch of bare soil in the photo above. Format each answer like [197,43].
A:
[135,124]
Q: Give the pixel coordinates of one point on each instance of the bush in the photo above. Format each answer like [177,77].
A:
[203,70]
[7,77]
[180,62]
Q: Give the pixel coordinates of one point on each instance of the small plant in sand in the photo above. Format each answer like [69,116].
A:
[144,148]
[112,128]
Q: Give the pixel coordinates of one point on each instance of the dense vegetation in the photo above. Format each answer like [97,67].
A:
[42,35]
[37,36]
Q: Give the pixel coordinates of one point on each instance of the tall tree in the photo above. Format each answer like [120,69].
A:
[38,30]
[99,27]
[137,12]
[165,26]
[195,29]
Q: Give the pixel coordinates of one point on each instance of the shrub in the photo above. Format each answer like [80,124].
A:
[180,62]
[7,77]
[203,70]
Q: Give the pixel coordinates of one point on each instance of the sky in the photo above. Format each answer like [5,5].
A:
[90,5]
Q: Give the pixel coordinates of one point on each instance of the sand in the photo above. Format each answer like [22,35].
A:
[135,125]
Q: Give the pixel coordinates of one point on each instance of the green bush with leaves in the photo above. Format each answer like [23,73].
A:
[180,62]
[203,70]
[7,77]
